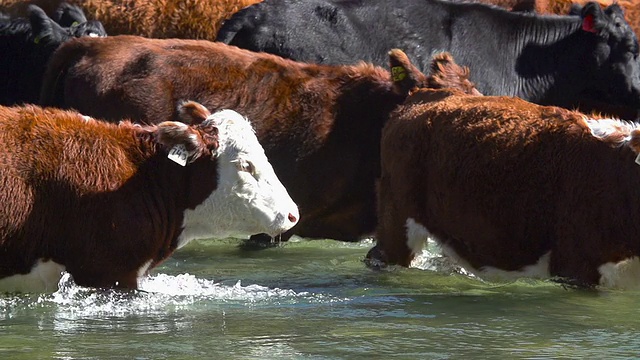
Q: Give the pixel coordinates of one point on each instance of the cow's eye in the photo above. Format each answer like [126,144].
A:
[247,166]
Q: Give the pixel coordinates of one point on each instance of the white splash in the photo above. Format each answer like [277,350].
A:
[432,258]
[161,293]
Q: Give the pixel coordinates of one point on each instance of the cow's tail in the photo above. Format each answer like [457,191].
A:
[246,19]
[52,89]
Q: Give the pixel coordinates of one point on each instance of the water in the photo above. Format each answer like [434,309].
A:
[316,300]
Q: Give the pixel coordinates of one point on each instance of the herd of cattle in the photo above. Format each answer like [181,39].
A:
[507,135]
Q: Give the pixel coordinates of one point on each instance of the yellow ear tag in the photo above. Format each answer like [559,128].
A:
[398,73]
[75,23]
[37,39]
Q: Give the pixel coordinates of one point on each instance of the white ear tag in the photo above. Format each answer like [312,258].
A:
[638,159]
[179,154]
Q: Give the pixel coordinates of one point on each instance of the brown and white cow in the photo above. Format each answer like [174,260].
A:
[107,202]
[510,189]
[319,125]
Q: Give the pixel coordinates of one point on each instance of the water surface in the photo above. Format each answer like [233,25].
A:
[316,300]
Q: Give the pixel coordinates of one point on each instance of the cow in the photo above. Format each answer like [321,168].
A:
[569,61]
[562,7]
[26,44]
[320,125]
[186,19]
[631,8]
[510,189]
[72,17]
[107,202]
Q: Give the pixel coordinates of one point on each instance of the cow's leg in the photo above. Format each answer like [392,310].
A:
[392,236]
[571,262]
[106,274]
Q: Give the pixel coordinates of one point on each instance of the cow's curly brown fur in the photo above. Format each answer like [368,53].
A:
[502,182]
[59,167]
[187,19]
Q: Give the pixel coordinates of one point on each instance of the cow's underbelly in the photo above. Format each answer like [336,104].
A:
[417,236]
[624,274]
[538,270]
[44,277]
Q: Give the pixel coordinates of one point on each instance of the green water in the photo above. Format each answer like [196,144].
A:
[316,300]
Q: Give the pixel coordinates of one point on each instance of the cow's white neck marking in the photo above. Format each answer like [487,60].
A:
[44,277]
[614,130]
[621,275]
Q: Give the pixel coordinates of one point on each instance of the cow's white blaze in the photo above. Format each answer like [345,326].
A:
[44,277]
[621,275]
[250,199]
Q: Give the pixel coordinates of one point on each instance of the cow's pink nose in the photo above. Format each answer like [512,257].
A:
[292,218]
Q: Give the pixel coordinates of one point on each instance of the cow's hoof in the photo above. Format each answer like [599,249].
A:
[260,242]
[376,259]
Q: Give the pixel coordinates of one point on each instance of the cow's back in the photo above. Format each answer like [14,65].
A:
[111,69]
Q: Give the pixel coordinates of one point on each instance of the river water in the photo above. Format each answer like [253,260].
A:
[317,300]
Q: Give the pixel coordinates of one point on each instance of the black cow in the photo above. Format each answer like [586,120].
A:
[26,44]
[72,16]
[587,61]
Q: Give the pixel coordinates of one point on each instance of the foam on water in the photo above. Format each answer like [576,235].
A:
[160,293]
[431,258]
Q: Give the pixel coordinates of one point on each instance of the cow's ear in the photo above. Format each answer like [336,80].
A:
[191,112]
[404,74]
[445,73]
[68,15]
[43,28]
[593,18]
[182,142]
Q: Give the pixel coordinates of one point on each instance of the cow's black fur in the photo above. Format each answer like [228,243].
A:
[26,44]
[72,17]
[548,59]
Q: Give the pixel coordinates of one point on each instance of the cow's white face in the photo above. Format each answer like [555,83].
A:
[249,199]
